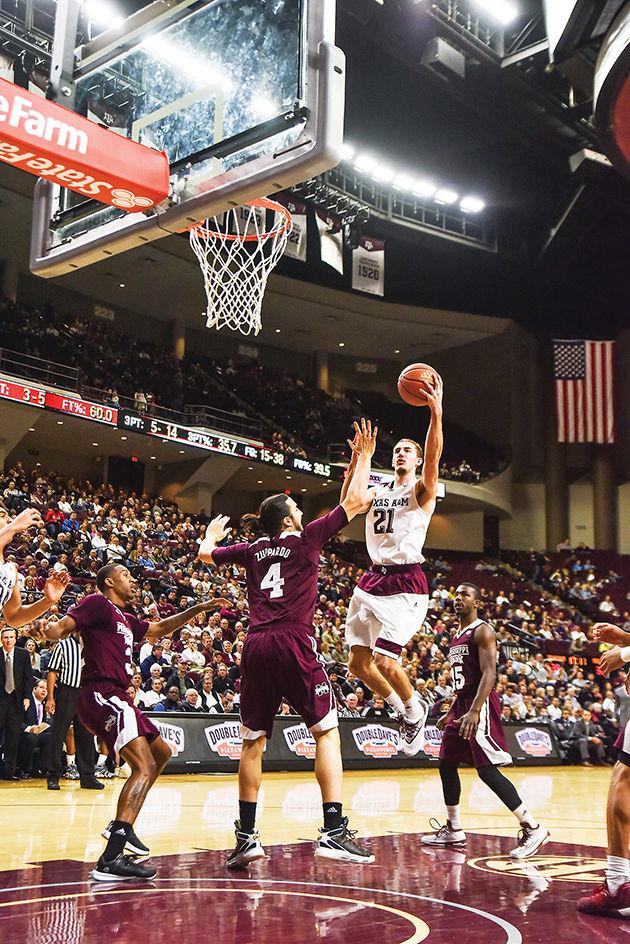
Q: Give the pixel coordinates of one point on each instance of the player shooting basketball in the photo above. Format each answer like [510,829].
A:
[390,603]
[280,658]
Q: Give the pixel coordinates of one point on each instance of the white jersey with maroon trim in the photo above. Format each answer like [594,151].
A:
[8,579]
[396,526]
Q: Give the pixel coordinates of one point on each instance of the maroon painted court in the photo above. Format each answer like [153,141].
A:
[409,895]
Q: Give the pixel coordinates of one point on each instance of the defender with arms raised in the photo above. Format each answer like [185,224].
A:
[280,658]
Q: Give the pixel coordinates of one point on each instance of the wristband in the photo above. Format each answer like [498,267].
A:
[625,654]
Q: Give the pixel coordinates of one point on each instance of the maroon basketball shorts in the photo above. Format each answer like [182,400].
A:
[488,745]
[109,713]
[282,662]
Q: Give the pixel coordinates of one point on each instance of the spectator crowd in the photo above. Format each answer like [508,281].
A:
[288,411]
[86,525]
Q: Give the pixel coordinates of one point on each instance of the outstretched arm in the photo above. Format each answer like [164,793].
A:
[52,632]
[169,625]
[487,648]
[349,474]
[426,489]
[16,614]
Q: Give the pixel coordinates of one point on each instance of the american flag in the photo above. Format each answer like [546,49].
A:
[583,371]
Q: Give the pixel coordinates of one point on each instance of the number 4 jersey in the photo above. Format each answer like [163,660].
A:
[282,571]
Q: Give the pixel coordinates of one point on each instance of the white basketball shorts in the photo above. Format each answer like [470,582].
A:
[385,624]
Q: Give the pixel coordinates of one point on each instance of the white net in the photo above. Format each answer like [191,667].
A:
[237,253]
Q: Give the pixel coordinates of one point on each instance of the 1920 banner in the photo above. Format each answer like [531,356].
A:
[212,744]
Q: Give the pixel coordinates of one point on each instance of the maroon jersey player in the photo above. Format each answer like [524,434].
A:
[611,899]
[472,729]
[108,633]
[280,657]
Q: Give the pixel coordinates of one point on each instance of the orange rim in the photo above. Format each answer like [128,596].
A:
[264,203]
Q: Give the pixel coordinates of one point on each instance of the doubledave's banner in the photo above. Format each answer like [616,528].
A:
[212,743]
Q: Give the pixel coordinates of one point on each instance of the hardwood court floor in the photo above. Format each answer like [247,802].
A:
[50,840]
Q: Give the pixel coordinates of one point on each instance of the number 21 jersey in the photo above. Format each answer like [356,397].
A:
[396,526]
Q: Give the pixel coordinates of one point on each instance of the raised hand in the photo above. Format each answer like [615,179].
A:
[607,632]
[55,586]
[611,660]
[29,518]
[434,395]
[217,530]
[364,443]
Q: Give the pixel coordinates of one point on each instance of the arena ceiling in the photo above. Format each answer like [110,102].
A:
[507,133]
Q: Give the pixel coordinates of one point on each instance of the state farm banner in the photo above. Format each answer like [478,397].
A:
[368,266]
[330,240]
[53,143]
[212,743]
[297,241]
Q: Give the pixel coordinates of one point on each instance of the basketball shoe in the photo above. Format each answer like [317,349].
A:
[133,845]
[248,849]
[412,732]
[443,835]
[121,869]
[339,844]
[530,840]
[602,902]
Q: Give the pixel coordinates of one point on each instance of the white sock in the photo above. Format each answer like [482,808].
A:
[524,818]
[413,708]
[617,872]
[395,701]
[452,814]
[70,759]
[101,760]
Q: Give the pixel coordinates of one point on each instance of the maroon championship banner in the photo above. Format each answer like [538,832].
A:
[22,393]
[72,406]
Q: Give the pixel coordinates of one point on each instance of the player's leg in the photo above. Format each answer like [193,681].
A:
[401,616]
[260,700]
[248,847]
[361,631]
[451,834]
[532,836]
[361,663]
[489,751]
[612,897]
[113,864]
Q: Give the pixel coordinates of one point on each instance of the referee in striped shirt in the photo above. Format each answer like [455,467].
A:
[64,681]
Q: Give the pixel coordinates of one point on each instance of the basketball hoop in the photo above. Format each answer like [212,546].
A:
[237,254]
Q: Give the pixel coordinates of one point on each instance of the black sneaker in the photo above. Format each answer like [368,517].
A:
[121,869]
[248,849]
[339,844]
[90,783]
[133,845]
[52,784]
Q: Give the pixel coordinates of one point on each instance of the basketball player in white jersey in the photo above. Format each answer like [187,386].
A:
[390,603]
[12,609]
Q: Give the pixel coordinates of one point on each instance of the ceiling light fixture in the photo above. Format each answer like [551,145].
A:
[424,188]
[347,152]
[498,9]
[384,174]
[342,344]
[403,182]
[123,438]
[472,204]
[444,195]
[366,163]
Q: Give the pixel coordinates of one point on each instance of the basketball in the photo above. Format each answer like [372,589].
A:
[414,382]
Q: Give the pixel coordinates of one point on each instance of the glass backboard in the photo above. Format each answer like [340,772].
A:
[245,96]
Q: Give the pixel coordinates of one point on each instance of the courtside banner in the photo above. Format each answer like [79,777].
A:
[212,744]
[51,142]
